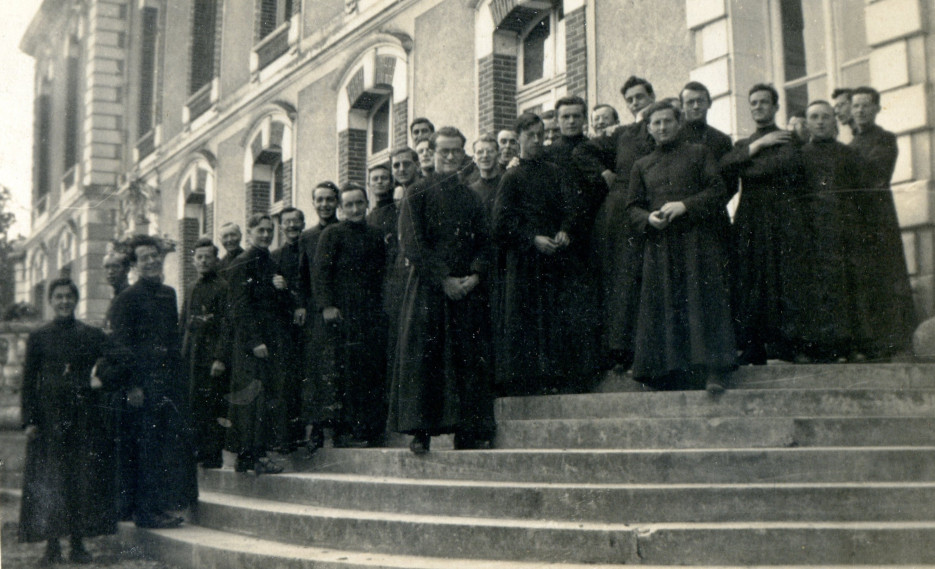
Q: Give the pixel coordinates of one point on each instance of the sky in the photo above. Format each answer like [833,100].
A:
[16,96]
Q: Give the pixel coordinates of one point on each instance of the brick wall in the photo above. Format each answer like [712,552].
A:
[258,196]
[209,220]
[400,124]
[287,193]
[576,54]
[496,93]
[352,156]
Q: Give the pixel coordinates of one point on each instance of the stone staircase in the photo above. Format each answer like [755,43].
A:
[798,466]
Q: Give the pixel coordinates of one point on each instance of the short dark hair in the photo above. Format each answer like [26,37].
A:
[865,90]
[486,137]
[350,187]
[606,106]
[66,282]
[257,218]
[447,132]
[634,81]
[404,150]
[205,242]
[694,86]
[526,121]
[841,91]
[291,209]
[380,166]
[773,93]
[326,185]
[421,120]
[571,100]
[142,241]
[662,106]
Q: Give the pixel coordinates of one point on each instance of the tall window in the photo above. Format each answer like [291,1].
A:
[823,47]
[43,126]
[72,102]
[273,13]
[541,73]
[204,32]
[149,30]
[379,127]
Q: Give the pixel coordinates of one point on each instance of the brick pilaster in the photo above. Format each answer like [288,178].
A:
[576,53]
[352,156]
[258,196]
[496,97]
[188,235]
[287,193]
[400,124]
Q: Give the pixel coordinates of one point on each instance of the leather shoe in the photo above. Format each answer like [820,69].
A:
[266,466]
[420,443]
[53,554]
[79,555]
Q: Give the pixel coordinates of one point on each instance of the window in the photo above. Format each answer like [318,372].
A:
[823,46]
[273,13]
[541,63]
[149,30]
[379,128]
[204,32]
[43,126]
[72,103]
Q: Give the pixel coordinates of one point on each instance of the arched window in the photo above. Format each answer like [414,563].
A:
[541,62]
[195,212]
[379,128]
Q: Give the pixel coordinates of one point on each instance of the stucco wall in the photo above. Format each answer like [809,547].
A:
[316,142]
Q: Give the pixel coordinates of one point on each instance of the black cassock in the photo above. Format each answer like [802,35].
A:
[762,234]
[68,483]
[819,318]
[385,217]
[441,379]
[538,346]
[885,309]
[260,314]
[145,335]
[349,269]
[205,339]
[684,322]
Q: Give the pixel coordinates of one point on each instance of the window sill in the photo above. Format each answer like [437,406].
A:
[275,45]
[201,101]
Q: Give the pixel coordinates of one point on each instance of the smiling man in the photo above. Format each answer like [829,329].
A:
[696,102]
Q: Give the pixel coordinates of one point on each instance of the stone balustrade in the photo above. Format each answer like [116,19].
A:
[12,354]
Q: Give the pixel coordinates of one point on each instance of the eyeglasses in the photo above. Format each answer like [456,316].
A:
[449,151]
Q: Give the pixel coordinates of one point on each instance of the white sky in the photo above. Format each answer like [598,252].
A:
[16,108]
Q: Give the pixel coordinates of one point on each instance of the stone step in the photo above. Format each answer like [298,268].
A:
[733,403]
[609,503]
[198,548]
[639,466]
[791,542]
[727,432]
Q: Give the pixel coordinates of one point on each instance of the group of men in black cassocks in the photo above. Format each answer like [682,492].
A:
[527,270]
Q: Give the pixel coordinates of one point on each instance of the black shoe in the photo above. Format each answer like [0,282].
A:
[79,555]
[420,443]
[159,520]
[243,463]
[465,441]
[316,440]
[715,385]
[53,554]
[265,465]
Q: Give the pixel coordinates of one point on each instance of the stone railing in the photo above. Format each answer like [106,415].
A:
[12,353]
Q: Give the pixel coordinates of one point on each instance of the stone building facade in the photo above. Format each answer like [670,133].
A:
[172,117]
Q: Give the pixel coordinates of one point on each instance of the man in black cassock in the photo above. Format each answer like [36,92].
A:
[230,239]
[769,166]
[885,309]
[349,268]
[146,342]
[696,101]
[532,220]
[68,481]
[318,392]
[205,350]
[820,318]
[684,338]
[258,311]
[404,163]
[619,250]
[486,152]
[294,278]
[117,269]
[441,380]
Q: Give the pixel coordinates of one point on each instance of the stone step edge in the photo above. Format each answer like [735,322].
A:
[300,510]
[254,551]
[461,483]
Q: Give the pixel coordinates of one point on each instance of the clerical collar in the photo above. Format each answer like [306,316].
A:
[767,128]
[385,200]
[64,321]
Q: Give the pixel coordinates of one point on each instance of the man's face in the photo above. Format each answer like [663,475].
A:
[509,145]
[204,259]
[354,206]
[404,168]
[230,238]
[63,302]
[530,141]
[820,121]
[426,155]
[116,269]
[863,110]
[602,119]
[762,108]
[551,130]
[571,119]
[261,236]
[449,153]
[637,99]
[148,262]
[292,225]
[663,126]
[485,156]
[421,129]
[379,182]
[842,109]
[325,202]
[695,105]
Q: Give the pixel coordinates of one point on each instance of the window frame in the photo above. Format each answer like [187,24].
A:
[552,85]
